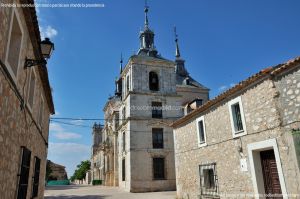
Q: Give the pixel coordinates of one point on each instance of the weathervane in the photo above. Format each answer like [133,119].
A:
[121,63]
[176,40]
[146,14]
[175,32]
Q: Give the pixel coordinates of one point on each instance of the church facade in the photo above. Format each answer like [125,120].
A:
[151,92]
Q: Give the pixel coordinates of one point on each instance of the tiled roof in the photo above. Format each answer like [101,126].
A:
[267,72]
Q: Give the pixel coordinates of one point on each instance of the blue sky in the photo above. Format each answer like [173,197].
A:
[223,42]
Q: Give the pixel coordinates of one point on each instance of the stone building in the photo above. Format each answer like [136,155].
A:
[150,92]
[244,142]
[104,159]
[58,172]
[96,161]
[25,104]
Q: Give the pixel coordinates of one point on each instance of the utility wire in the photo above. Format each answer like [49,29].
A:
[71,124]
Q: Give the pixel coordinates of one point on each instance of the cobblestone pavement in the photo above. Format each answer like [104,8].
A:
[101,192]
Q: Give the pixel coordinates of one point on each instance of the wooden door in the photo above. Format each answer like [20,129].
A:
[270,174]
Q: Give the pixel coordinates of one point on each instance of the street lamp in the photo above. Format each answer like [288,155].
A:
[47,48]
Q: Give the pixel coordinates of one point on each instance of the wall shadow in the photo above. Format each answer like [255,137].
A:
[61,187]
[76,197]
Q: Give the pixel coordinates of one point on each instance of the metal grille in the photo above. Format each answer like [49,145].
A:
[209,180]
[24,173]
[36,177]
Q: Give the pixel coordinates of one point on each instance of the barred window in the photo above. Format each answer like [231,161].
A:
[157,138]
[36,177]
[208,180]
[156,110]
[24,173]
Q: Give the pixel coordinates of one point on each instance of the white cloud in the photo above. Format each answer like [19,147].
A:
[68,154]
[48,31]
[222,88]
[66,135]
[61,133]
[225,87]
[77,122]
[56,127]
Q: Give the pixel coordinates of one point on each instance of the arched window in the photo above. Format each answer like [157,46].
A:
[153,81]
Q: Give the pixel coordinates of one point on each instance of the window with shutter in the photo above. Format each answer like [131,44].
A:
[24,173]
[36,177]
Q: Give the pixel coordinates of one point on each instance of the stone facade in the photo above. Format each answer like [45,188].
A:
[23,125]
[270,106]
[104,159]
[150,92]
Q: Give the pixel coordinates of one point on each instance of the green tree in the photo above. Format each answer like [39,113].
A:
[81,170]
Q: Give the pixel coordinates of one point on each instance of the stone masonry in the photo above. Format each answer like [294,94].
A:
[21,125]
[271,104]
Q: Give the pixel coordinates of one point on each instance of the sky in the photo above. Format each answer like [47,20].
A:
[222,41]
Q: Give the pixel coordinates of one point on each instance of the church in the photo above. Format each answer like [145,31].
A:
[134,149]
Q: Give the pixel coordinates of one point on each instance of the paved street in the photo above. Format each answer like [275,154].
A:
[100,192]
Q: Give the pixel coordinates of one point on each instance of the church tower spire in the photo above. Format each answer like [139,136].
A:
[180,68]
[147,37]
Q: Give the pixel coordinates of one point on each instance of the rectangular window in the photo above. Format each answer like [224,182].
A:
[127,84]
[124,141]
[156,110]
[208,180]
[36,177]
[15,43]
[157,138]
[31,89]
[41,113]
[123,114]
[123,169]
[201,131]
[158,168]
[24,173]
[237,117]
[116,120]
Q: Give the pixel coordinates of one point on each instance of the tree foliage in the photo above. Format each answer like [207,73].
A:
[81,170]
